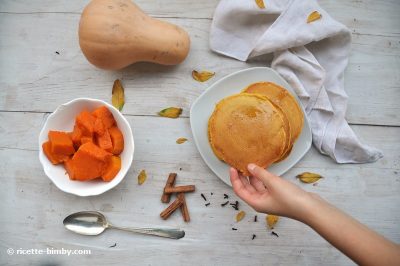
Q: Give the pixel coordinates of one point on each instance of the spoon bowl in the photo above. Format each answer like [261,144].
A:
[86,223]
[94,223]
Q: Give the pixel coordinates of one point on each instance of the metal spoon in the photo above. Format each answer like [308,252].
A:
[94,223]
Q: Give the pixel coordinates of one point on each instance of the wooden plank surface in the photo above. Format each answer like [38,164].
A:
[369,192]
[372,78]
[34,80]
[376,17]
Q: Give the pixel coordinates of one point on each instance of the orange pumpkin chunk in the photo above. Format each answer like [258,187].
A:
[86,139]
[61,143]
[85,122]
[105,115]
[117,140]
[76,136]
[53,158]
[87,151]
[104,141]
[99,127]
[69,167]
[89,162]
[112,169]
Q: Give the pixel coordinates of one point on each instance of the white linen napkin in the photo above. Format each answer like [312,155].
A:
[310,56]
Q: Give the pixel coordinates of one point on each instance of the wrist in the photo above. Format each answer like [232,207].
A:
[310,206]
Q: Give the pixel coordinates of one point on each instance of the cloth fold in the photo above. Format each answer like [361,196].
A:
[311,57]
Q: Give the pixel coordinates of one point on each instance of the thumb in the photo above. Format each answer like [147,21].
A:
[266,177]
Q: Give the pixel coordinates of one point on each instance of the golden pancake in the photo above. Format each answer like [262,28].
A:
[247,128]
[216,152]
[288,104]
[288,144]
[284,99]
[286,126]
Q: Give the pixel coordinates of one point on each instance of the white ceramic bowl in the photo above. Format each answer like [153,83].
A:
[234,83]
[63,119]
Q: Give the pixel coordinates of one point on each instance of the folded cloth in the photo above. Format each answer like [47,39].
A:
[311,57]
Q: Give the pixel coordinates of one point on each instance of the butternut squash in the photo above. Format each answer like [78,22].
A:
[99,128]
[85,121]
[116,33]
[104,141]
[89,162]
[61,143]
[105,115]
[69,167]
[76,136]
[54,158]
[112,169]
[91,150]
[117,140]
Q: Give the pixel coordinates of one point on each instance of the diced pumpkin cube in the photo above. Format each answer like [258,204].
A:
[85,122]
[105,115]
[89,162]
[76,136]
[61,143]
[117,140]
[85,139]
[69,167]
[53,158]
[99,128]
[114,165]
[104,141]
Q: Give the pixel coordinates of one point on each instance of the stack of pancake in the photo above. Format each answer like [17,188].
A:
[259,125]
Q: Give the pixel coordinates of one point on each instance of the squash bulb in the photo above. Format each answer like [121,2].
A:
[116,33]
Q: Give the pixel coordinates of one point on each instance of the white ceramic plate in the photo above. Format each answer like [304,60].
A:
[63,119]
[234,83]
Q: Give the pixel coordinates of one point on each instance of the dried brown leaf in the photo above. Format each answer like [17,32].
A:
[118,95]
[308,177]
[171,112]
[313,16]
[202,76]
[142,177]
[181,140]
[260,4]
[271,220]
[240,215]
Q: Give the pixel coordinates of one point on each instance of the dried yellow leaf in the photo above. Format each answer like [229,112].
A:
[181,140]
[308,177]
[271,220]
[118,95]
[142,177]
[313,16]
[260,4]
[240,215]
[202,76]
[171,112]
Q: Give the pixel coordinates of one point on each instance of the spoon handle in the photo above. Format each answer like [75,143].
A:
[169,233]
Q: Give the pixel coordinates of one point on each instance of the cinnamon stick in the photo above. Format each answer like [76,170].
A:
[171,208]
[184,208]
[179,189]
[165,198]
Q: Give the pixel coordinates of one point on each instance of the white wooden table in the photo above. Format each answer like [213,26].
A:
[34,80]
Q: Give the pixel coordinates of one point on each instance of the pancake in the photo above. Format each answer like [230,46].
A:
[286,126]
[282,98]
[287,147]
[216,152]
[287,103]
[247,128]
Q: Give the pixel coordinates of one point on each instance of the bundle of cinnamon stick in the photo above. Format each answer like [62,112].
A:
[180,201]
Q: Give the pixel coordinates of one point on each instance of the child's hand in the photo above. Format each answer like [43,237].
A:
[271,194]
